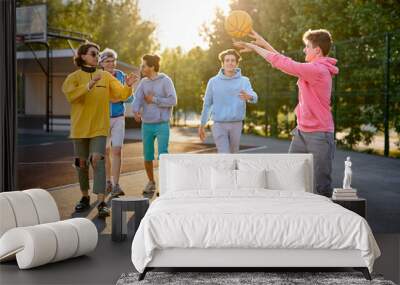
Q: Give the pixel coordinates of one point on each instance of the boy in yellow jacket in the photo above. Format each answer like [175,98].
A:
[89,91]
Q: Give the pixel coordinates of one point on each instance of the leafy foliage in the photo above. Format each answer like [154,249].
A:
[110,23]
[361,31]
[360,44]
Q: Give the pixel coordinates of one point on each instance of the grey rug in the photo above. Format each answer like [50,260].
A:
[242,278]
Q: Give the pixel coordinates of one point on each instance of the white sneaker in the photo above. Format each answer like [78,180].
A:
[117,191]
[150,188]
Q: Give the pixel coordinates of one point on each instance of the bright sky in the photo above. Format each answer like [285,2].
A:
[179,21]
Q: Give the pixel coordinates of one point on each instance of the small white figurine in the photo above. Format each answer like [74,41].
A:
[347,174]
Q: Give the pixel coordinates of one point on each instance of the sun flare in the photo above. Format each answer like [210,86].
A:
[179,21]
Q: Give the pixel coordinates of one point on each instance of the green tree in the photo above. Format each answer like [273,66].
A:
[358,29]
[186,70]
[110,23]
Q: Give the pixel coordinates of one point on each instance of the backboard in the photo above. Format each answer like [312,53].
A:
[32,23]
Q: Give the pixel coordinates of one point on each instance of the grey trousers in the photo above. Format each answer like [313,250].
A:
[227,136]
[322,146]
[84,149]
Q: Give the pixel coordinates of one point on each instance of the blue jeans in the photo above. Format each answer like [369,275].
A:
[150,132]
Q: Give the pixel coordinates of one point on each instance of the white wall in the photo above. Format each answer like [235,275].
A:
[61,107]
[35,95]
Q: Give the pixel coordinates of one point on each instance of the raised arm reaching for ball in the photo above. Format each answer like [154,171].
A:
[313,112]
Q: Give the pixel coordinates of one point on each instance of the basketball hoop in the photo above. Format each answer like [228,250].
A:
[19,39]
[31,24]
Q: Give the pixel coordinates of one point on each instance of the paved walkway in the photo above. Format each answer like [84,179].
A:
[376,178]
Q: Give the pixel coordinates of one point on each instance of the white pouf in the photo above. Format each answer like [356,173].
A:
[31,232]
[7,216]
[66,240]
[87,235]
[22,207]
[33,246]
[46,207]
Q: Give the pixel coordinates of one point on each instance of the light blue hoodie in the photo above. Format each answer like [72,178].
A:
[163,101]
[222,98]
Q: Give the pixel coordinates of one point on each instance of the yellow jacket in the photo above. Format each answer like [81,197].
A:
[90,109]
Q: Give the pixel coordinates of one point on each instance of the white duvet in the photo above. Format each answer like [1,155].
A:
[250,219]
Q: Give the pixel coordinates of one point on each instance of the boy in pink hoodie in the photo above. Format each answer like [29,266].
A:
[315,127]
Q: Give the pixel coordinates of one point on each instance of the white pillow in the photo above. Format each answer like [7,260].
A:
[251,178]
[223,179]
[228,179]
[193,175]
[184,177]
[291,178]
[280,174]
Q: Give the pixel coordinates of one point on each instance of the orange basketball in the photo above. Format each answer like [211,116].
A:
[238,24]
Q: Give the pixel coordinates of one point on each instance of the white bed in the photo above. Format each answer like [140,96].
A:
[247,210]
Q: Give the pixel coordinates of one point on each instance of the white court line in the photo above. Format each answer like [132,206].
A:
[143,171]
[253,148]
[134,157]
[45,162]
[201,150]
[71,161]
[43,144]
[47,143]
[91,180]
[243,150]
[65,161]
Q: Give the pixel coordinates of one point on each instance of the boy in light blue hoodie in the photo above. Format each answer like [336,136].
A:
[225,100]
[153,101]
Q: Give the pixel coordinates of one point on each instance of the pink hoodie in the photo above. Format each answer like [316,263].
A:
[315,85]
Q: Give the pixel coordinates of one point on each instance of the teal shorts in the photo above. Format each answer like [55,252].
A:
[150,132]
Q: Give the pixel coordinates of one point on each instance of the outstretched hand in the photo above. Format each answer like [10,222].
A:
[261,42]
[131,79]
[243,46]
[257,39]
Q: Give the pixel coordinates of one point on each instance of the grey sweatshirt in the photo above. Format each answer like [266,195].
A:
[164,99]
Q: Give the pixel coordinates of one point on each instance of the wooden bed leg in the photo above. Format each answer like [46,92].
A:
[364,271]
[142,275]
